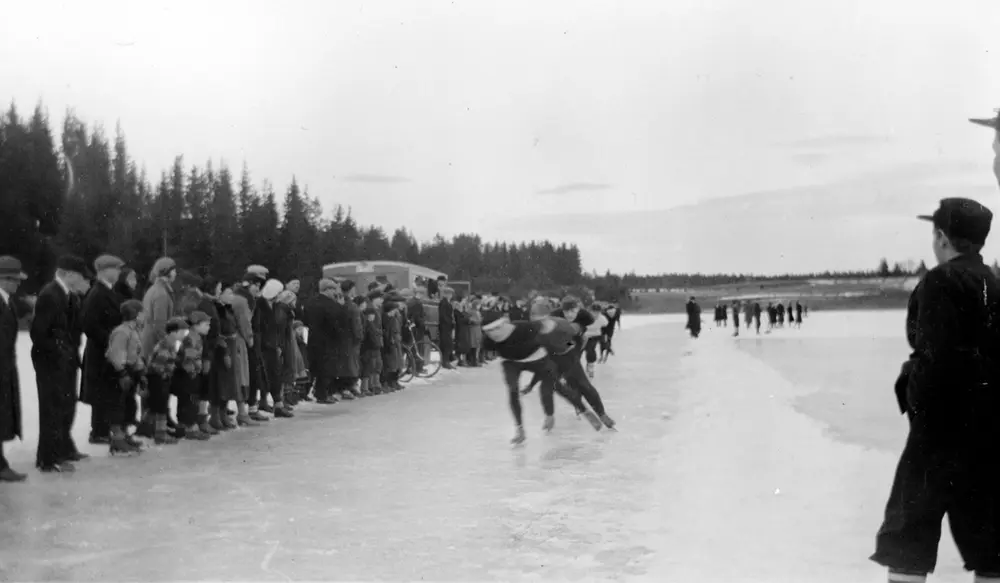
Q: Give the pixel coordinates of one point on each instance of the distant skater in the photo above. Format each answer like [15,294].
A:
[798,315]
[772,317]
[756,316]
[747,314]
[736,318]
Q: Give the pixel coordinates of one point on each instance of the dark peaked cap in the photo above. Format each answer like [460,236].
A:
[963,218]
[993,122]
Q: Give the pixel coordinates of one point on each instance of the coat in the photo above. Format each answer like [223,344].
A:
[371,348]
[462,332]
[322,315]
[349,337]
[392,342]
[239,344]
[10,384]
[475,329]
[158,304]
[285,338]
[228,379]
[101,314]
[213,345]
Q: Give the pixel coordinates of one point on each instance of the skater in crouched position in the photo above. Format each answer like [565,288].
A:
[949,391]
[520,347]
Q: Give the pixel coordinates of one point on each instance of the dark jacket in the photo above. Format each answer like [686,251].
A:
[10,384]
[953,327]
[349,337]
[322,317]
[100,315]
[56,329]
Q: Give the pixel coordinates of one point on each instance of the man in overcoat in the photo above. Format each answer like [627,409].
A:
[55,345]
[11,277]
[101,314]
[351,335]
[322,313]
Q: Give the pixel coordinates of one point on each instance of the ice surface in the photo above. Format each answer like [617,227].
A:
[723,471]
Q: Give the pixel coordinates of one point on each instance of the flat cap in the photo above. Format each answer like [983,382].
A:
[963,218]
[327,284]
[74,264]
[253,277]
[258,269]
[10,268]
[108,262]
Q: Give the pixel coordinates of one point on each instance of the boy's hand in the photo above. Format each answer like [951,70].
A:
[228,361]
[206,367]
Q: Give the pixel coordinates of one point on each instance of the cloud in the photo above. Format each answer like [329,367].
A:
[374,179]
[837,141]
[574,187]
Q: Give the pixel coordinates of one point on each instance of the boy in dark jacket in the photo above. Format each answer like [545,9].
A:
[161,363]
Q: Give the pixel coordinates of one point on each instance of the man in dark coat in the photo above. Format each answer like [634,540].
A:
[271,343]
[101,314]
[694,317]
[321,315]
[55,342]
[351,336]
[446,327]
[948,389]
[11,277]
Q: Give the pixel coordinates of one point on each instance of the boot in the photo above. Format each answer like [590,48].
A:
[282,412]
[519,436]
[259,417]
[146,427]
[117,444]
[205,427]
[347,395]
[590,369]
[215,420]
[550,422]
[160,434]
[195,434]
[131,440]
[265,408]
[228,423]
[246,421]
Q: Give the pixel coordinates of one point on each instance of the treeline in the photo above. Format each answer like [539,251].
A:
[95,198]
[692,280]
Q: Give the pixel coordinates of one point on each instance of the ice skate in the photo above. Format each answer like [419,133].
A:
[246,421]
[164,438]
[590,370]
[550,422]
[592,418]
[196,435]
[608,422]
[519,436]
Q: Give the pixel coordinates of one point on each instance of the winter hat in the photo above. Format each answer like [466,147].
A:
[259,270]
[177,323]
[197,317]
[375,294]
[74,264]
[327,284]
[130,310]
[271,289]
[208,285]
[359,300]
[406,292]
[374,285]
[252,277]
[293,286]
[162,267]
[286,297]
[187,279]
[492,320]
[369,311]
[296,324]
[540,309]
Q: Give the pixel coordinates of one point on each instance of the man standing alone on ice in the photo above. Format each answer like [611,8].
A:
[948,389]
[11,277]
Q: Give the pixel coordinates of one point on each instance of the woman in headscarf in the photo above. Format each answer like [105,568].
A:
[158,305]
[474,331]
[239,355]
[291,361]
[127,285]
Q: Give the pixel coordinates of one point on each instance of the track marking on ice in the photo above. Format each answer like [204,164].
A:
[265,564]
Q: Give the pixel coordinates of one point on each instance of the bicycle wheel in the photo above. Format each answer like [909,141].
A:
[406,375]
[430,356]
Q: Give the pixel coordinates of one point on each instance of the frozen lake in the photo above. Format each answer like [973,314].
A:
[753,459]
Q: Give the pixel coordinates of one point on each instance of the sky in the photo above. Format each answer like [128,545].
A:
[760,136]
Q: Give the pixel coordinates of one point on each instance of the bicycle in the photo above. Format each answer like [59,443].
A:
[421,359]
